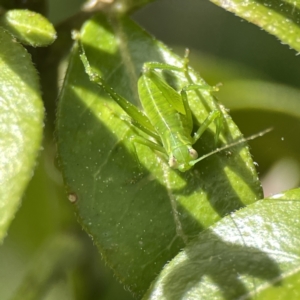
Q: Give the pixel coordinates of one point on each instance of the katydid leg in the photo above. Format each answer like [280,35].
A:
[184,98]
[160,66]
[143,141]
[137,115]
[213,115]
[148,143]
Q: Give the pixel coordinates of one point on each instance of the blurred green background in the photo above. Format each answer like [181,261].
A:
[248,61]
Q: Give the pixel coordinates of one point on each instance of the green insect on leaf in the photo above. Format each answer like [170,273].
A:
[166,110]
[170,95]
[141,215]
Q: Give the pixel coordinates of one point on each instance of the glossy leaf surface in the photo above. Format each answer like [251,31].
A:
[278,17]
[29,27]
[21,123]
[261,104]
[261,95]
[251,254]
[140,214]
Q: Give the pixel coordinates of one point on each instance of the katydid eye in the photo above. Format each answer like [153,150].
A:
[193,153]
[172,162]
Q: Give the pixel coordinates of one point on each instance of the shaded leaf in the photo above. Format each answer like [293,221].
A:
[270,105]
[140,216]
[280,18]
[252,94]
[21,123]
[58,255]
[253,253]
[29,27]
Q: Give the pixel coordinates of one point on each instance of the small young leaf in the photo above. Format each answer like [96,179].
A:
[251,254]
[140,212]
[29,27]
[280,18]
[21,123]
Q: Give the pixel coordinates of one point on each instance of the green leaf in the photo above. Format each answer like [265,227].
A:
[270,105]
[21,122]
[253,253]
[29,27]
[139,217]
[252,94]
[278,17]
[58,255]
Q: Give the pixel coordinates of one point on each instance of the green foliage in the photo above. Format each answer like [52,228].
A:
[108,180]
[244,255]
[201,234]
[21,121]
[59,253]
[28,27]
[280,18]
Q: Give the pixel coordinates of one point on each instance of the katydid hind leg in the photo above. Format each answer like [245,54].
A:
[140,119]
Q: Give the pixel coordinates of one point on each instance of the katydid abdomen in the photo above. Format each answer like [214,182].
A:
[170,125]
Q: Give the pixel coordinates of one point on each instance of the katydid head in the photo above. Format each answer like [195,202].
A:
[181,157]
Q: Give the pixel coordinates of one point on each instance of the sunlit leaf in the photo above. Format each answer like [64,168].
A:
[21,123]
[139,212]
[261,95]
[29,27]
[251,254]
[257,105]
[278,17]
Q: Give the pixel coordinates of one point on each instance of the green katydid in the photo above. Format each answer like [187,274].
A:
[166,115]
